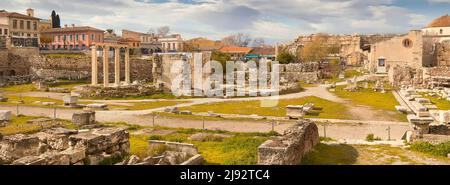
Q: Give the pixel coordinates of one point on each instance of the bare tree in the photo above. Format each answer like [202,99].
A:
[259,42]
[163,31]
[239,39]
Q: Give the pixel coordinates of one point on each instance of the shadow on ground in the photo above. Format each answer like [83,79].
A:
[331,155]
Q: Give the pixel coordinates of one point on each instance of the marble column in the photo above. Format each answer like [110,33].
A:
[106,66]
[117,66]
[94,74]
[127,66]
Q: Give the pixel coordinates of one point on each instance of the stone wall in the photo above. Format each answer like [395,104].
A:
[119,92]
[43,67]
[59,146]
[290,148]
[443,54]
[439,129]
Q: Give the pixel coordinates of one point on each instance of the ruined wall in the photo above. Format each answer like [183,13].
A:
[443,54]
[43,67]
[290,148]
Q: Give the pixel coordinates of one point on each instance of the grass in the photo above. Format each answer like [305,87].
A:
[147,105]
[154,96]
[352,73]
[442,104]
[19,88]
[240,149]
[29,101]
[65,55]
[441,149]
[328,109]
[19,125]
[368,97]
[342,154]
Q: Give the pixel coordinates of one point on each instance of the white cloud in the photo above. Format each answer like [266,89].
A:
[274,20]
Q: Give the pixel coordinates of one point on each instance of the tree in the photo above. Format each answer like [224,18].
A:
[57,22]
[240,39]
[220,57]
[318,49]
[258,42]
[110,31]
[163,31]
[285,58]
[151,31]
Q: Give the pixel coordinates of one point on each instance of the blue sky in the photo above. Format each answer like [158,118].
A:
[273,20]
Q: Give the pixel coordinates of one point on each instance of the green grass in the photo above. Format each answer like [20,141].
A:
[329,109]
[442,104]
[19,125]
[331,155]
[65,55]
[147,105]
[352,73]
[19,88]
[377,100]
[441,149]
[29,101]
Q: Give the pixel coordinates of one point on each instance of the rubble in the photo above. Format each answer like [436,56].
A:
[59,146]
[84,118]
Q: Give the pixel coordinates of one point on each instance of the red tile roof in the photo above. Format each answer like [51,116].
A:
[232,49]
[443,21]
[16,15]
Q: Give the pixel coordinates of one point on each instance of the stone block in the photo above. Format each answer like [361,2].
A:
[290,148]
[30,160]
[70,100]
[75,155]
[18,146]
[97,106]
[84,118]
[5,115]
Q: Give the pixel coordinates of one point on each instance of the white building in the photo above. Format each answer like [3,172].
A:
[438,28]
[171,43]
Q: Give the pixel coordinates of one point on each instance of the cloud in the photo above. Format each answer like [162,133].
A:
[274,20]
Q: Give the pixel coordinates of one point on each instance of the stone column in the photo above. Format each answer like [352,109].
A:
[117,66]
[106,66]
[94,74]
[127,66]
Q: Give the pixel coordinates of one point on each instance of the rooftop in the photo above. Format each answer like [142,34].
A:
[72,29]
[443,21]
[4,13]
[233,49]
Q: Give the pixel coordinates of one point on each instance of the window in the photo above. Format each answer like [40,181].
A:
[70,37]
[28,25]
[407,43]
[21,24]
[64,37]
[76,37]
[28,35]
[1,31]
[6,32]
[15,24]
[83,37]
[441,31]
[59,37]
[92,37]
[381,62]
[34,25]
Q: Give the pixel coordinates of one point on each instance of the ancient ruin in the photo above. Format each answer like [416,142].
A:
[290,148]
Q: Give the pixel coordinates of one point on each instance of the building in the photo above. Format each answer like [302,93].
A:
[438,28]
[236,53]
[148,42]
[73,37]
[203,44]
[20,30]
[171,43]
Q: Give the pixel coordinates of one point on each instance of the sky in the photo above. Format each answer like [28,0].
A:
[277,21]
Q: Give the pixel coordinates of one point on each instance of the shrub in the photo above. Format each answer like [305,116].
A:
[442,149]
[372,138]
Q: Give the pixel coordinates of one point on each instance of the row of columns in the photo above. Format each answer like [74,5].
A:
[106,49]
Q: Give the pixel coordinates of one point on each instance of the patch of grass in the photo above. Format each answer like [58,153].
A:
[328,109]
[441,149]
[372,138]
[377,100]
[442,104]
[65,55]
[351,73]
[19,125]
[231,151]
[19,88]
[149,105]
[30,101]
[154,96]
[331,155]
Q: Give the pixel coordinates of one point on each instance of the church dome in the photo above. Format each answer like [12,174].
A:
[443,21]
